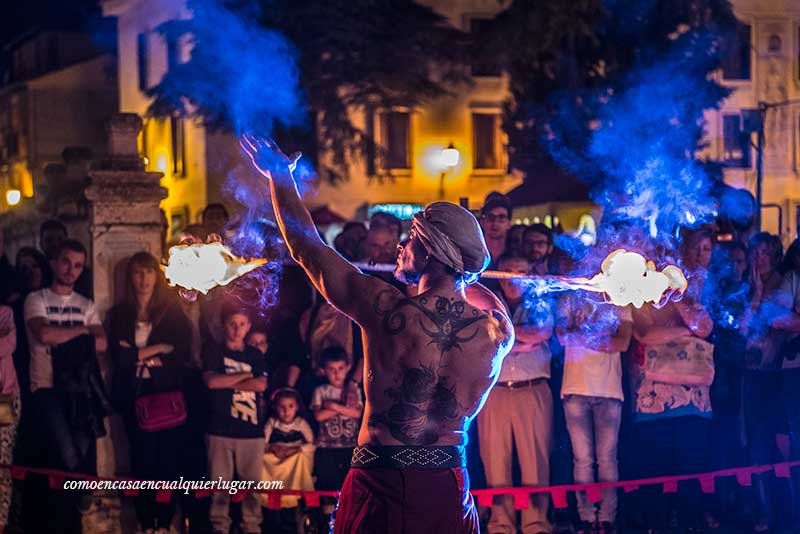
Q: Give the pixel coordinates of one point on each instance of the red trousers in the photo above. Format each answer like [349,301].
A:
[406,501]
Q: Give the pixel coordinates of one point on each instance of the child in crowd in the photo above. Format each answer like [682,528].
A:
[289,450]
[257,338]
[235,374]
[337,406]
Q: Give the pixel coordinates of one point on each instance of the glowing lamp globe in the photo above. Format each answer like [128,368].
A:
[450,157]
[13,196]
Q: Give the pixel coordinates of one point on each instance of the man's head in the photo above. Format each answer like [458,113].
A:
[215,217]
[380,245]
[194,233]
[333,361]
[68,262]
[517,265]
[51,234]
[445,234]
[496,216]
[537,243]
[380,218]
[237,322]
[348,242]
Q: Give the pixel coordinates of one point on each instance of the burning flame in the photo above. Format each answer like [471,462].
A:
[627,278]
[204,266]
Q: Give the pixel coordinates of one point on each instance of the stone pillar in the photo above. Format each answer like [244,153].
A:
[124,219]
[124,210]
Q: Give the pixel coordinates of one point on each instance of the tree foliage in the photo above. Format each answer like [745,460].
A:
[570,62]
[352,56]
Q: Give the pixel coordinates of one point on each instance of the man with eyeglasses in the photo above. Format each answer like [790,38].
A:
[495,222]
[537,246]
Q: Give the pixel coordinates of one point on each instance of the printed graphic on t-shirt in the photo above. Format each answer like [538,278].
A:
[339,430]
[243,404]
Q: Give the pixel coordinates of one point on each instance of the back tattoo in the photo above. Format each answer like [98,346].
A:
[424,401]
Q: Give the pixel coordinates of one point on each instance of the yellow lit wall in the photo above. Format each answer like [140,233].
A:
[773,77]
[432,128]
[187,192]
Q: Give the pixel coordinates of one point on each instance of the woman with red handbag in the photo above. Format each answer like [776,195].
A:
[149,344]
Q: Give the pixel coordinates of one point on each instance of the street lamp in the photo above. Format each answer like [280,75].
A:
[449,159]
[13,196]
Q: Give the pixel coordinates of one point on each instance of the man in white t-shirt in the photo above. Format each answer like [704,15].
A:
[593,334]
[53,316]
[519,409]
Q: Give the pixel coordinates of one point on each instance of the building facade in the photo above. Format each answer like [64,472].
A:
[173,146]
[762,66]
[196,163]
[413,140]
[60,92]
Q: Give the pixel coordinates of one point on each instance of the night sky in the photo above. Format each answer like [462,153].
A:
[20,16]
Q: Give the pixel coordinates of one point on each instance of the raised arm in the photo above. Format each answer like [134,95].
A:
[340,282]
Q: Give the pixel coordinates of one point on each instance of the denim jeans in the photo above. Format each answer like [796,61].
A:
[593,425]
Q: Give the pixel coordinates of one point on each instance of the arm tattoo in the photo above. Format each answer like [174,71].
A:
[446,318]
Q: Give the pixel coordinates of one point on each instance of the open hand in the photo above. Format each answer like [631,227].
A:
[267,157]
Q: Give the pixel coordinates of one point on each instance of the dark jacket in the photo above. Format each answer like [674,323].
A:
[172,328]
[76,377]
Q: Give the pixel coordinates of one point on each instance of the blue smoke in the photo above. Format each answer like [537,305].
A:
[240,75]
[243,77]
[639,155]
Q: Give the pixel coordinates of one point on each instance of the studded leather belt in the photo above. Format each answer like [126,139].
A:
[519,383]
[408,457]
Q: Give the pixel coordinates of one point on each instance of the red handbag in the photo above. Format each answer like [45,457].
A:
[161,411]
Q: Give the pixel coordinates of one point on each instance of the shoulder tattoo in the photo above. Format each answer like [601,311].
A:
[445,325]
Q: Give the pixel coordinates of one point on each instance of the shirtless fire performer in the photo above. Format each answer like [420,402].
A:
[430,360]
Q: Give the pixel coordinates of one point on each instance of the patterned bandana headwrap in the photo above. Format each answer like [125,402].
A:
[453,236]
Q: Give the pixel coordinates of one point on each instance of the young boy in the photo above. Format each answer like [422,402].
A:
[235,374]
[337,407]
[257,338]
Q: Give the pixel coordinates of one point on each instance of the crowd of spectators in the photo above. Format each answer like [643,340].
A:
[590,391]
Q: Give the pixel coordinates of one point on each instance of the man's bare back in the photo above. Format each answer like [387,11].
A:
[429,362]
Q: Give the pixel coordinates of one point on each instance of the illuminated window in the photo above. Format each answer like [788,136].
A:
[142,60]
[178,137]
[736,54]
[395,138]
[485,140]
[736,142]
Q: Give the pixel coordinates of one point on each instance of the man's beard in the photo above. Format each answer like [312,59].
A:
[66,281]
[406,276]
